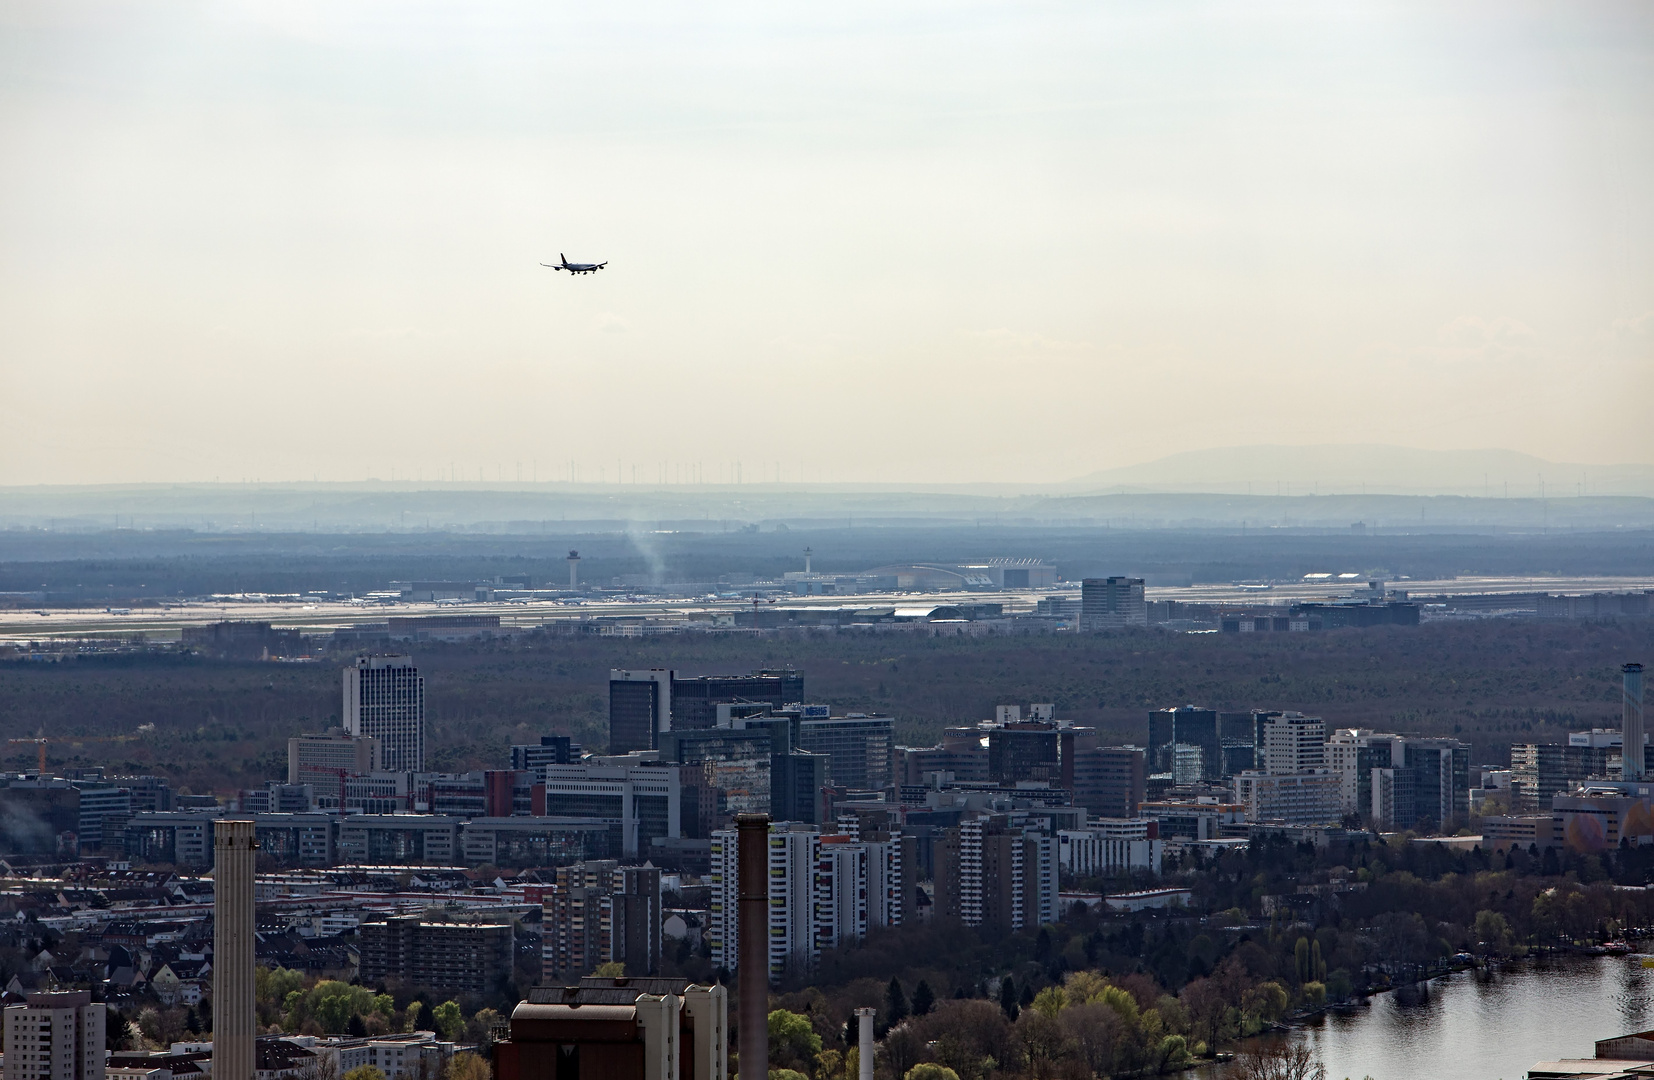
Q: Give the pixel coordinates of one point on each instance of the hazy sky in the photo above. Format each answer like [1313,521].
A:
[868,241]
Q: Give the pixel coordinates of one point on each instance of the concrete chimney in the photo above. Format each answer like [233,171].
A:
[864,1044]
[234,1013]
[1631,723]
[753,959]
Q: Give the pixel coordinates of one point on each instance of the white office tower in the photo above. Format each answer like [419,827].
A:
[235,1022]
[1631,724]
[55,1035]
[1293,743]
[385,700]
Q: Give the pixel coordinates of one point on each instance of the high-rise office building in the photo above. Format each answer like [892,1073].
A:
[738,763]
[1025,750]
[1293,743]
[860,749]
[640,708]
[385,700]
[1441,778]
[57,1035]
[961,753]
[1112,603]
[1191,727]
[695,701]
[1109,781]
[638,803]
[104,811]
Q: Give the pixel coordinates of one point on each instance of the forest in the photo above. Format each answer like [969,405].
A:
[217,725]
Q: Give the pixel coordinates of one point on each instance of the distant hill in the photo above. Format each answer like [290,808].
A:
[1368,469]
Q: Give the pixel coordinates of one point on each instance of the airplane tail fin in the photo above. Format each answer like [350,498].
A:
[565,258]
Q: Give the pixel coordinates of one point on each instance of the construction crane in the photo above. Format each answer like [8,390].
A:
[42,740]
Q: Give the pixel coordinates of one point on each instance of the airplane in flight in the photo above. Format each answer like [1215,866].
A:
[575,268]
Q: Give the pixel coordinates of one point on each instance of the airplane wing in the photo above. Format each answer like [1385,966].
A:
[554,266]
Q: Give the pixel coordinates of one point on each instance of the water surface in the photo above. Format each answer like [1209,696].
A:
[1458,1026]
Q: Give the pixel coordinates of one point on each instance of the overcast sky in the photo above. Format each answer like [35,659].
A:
[852,241]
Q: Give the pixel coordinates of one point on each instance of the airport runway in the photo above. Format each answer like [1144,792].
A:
[166,623]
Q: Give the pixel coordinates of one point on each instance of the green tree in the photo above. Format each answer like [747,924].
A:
[467,1067]
[929,1070]
[1121,1001]
[1049,1002]
[331,1004]
[449,1021]
[364,1072]
[613,969]
[1173,1050]
[924,999]
[793,1040]
[895,1002]
[1008,997]
[1493,931]
[271,986]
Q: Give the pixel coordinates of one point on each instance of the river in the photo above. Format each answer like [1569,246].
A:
[1457,1026]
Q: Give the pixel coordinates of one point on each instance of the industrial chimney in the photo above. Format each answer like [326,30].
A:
[864,1044]
[1631,723]
[753,959]
[234,1006]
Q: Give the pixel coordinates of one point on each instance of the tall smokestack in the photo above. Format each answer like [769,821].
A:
[1631,723]
[753,919]
[864,1044]
[233,1006]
